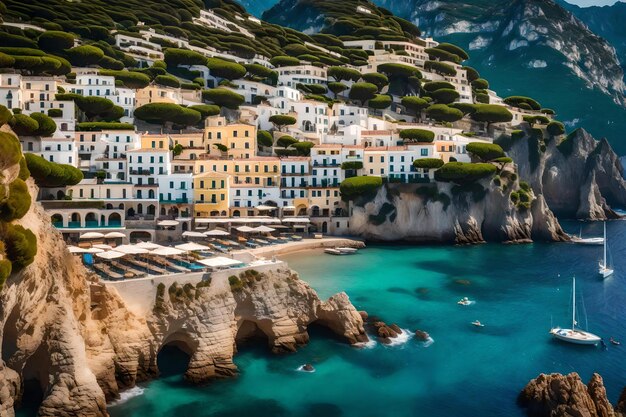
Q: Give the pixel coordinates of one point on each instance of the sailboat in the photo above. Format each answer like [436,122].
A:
[587,240]
[603,268]
[575,335]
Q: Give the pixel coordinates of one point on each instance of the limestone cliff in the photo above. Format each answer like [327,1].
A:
[443,212]
[579,176]
[557,395]
[77,338]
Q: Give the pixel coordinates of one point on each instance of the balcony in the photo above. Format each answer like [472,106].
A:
[326,164]
[140,172]
[353,157]
[176,201]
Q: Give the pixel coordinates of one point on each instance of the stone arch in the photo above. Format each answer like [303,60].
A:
[151,210]
[150,194]
[223,213]
[115,219]
[130,212]
[139,208]
[315,211]
[214,213]
[175,354]
[324,227]
[60,195]
[91,220]
[163,211]
[301,210]
[185,226]
[121,206]
[57,220]
[236,213]
[249,331]
[140,235]
[109,206]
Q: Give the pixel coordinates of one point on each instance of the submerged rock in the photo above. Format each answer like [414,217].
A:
[421,335]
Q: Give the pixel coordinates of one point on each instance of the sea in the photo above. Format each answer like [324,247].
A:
[518,293]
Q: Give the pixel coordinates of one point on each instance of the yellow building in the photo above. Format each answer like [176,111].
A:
[157,94]
[211,191]
[238,140]
[257,170]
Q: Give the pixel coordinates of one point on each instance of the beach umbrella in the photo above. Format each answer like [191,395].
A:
[296,220]
[219,262]
[110,255]
[102,246]
[148,245]
[265,208]
[263,229]
[94,250]
[76,249]
[91,235]
[216,232]
[114,235]
[191,246]
[245,229]
[168,223]
[131,249]
[193,234]
[167,251]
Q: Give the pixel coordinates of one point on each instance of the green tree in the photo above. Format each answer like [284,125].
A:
[441,55]
[480,84]
[343,74]
[485,151]
[556,128]
[303,148]
[84,56]
[464,173]
[5,115]
[445,95]
[428,163]
[225,69]
[167,80]
[6,61]
[47,126]
[491,113]
[164,113]
[206,110]
[337,87]
[23,125]
[10,150]
[414,105]
[284,61]
[453,49]
[393,70]
[443,113]
[362,92]
[55,41]
[472,74]
[354,187]
[436,85]
[20,246]
[379,80]
[223,97]
[282,120]
[264,138]
[440,68]
[417,135]
[286,141]
[522,102]
[130,79]
[175,57]
[17,203]
[380,101]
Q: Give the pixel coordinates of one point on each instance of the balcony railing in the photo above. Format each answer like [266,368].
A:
[140,172]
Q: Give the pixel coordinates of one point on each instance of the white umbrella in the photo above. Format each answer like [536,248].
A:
[130,249]
[193,234]
[168,223]
[296,220]
[114,235]
[103,246]
[167,251]
[216,232]
[219,261]
[110,255]
[191,246]
[148,245]
[76,249]
[245,229]
[94,250]
[91,235]
[263,229]
[265,208]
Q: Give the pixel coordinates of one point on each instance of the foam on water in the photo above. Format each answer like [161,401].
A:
[428,342]
[128,394]
[301,369]
[401,339]
[370,344]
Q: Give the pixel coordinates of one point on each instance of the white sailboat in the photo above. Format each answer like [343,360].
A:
[587,240]
[603,268]
[575,335]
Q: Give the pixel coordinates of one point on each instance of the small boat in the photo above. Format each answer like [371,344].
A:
[464,301]
[477,323]
[575,335]
[348,251]
[603,268]
[615,342]
[332,251]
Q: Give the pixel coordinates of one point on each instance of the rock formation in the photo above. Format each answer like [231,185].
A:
[557,395]
[443,212]
[579,176]
[77,338]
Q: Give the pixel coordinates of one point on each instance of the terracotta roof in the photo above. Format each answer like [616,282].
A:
[376,132]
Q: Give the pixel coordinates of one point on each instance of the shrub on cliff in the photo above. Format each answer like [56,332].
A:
[5,270]
[55,41]
[163,113]
[522,102]
[175,57]
[24,173]
[282,120]
[444,113]
[286,141]
[556,128]
[235,283]
[485,151]
[440,68]
[5,115]
[23,125]
[354,187]
[436,85]
[491,113]
[284,61]
[223,97]
[428,163]
[206,110]
[417,135]
[84,56]
[344,74]
[17,203]
[20,246]
[463,172]
[47,126]
[225,69]
[303,148]
[352,165]
[380,101]
[10,150]
[51,174]
[264,138]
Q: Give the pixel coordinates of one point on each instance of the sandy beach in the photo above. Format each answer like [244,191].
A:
[304,245]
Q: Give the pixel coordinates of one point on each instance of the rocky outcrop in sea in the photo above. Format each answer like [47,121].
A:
[557,395]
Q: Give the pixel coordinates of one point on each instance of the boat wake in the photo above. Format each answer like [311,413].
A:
[301,369]
[401,339]
[127,395]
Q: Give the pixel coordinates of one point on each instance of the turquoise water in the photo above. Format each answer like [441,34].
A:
[467,371]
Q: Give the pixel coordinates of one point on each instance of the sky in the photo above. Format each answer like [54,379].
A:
[586,3]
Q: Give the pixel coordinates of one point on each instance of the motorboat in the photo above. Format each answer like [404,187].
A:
[575,335]
[615,342]
[464,301]
[347,251]
[332,251]
[477,323]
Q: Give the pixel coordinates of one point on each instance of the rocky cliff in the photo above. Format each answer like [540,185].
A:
[443,212]
[578,176]
[77,339]
[557,395]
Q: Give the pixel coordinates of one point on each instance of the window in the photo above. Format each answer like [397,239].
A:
[424,152]
[234,133]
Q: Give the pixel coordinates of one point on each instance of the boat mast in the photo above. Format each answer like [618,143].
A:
[573,303]
[604,265]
